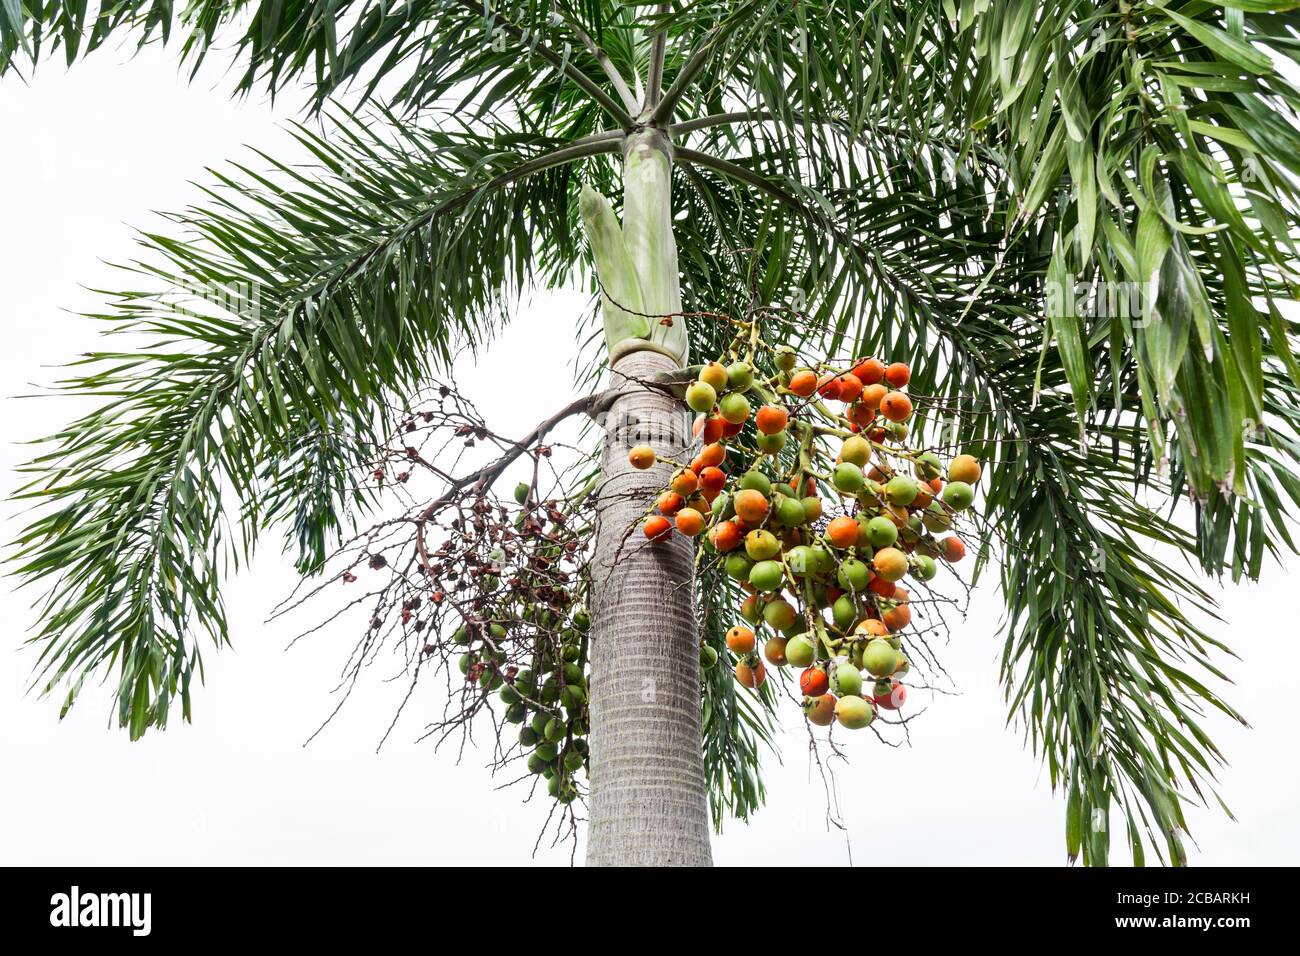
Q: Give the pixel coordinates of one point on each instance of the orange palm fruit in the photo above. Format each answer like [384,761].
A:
[771,419]
[803,383]
[740,639]
[751,506]
[870,371]
[898,374]
[842,532]
[896,406]
[690,522]
[670,502]
[657,528]
[641,456]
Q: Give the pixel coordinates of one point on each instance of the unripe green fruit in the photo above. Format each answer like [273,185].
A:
[516,713]
[740,376]
[761,545]
[853,574]
[573,761]
[799,651]
[925,569]
[786,359]
[902,490]
[848,478]
[844,612]
[734,407]
[771,444]
[573,674]
[755,480]
[929,465]
[572,697]
[823,560]
[536,764]
[738,566]
[767,575]
[701,397]
[788,511]
[509,695]
[540,720]
[460,636]
[958,495]
[708,657]
[882,532]
[856,450]
[528,736]
[521,492]
[802,560]
[581,619]
[555,729]
[780,614]
[853,713]
[879,658]
[846,680]
[547,751]
[936,517]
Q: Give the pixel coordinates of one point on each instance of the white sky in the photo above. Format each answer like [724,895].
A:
[88,154]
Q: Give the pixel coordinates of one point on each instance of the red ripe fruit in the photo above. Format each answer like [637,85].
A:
[726,536]
[896,406]
[657,528]
[828,386]
[814,682]
[895,699]
[850,387]
[870,371]
[803,383]
[709,428]
[712,479]
[898,374]
[670,502]
[953,548]
[880,586]
[771,419]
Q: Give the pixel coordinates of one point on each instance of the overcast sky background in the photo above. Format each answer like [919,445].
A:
[88,154]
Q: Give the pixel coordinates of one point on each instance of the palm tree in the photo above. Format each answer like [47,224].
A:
[964,181]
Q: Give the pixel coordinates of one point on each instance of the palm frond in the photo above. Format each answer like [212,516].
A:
[272,337]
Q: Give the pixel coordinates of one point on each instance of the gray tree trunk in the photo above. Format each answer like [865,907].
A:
[649,805]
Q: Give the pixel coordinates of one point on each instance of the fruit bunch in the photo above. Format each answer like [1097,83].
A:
[805,492]
[549,697]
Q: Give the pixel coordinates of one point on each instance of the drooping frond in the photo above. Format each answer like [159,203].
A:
[275,327]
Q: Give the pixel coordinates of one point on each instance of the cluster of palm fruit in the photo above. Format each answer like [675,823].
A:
[548,697]
[818,512]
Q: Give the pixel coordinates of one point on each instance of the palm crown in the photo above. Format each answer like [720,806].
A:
[958,179]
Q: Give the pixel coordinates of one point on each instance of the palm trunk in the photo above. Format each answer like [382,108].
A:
[648,800]
[649,805]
